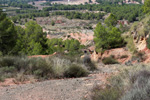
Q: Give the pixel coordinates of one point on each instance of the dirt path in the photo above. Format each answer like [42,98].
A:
[64,89]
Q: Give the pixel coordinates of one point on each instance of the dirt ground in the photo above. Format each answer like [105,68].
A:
[60,89]
[71,2]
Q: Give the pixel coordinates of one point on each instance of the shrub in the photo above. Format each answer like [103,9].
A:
[41,68]
[52,23]
[60,65]
[124,56]
[141,78]
[108,93]
[116,81]
[140,87]
[109,60]
[21,63]
[88,63]
[75,71]
[1,79]
[9,69]
[7,61]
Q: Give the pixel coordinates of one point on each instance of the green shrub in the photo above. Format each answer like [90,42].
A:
[109,60]
[75,71]
[7,61]
[10,69]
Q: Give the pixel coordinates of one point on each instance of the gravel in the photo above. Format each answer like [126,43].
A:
[63,89]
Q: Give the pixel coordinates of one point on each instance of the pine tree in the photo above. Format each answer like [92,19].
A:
[111,20]
[7,34]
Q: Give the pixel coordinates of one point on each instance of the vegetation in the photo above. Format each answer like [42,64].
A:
[58,45]
[146,7]
[79,15]
[52,23]
[128,12]
[131,83]
[107,38]
[29,14]
[7,34]
[109,60]
[148,42]
[109,93]
[31,40]
[111,20]
[19,4]
[51,67]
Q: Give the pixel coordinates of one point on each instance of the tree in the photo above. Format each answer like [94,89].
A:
[146,6]
[111,20]
[31,40]
[7,34]
[101,36]
[21,42]
[115,40]
[14,19]
[35,37]
[106,38]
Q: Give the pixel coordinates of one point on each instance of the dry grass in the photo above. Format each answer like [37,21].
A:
[22,68]
[131,83]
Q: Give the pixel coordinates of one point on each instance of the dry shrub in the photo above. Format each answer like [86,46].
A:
[108,93]
[109,60]
[75,71]
[41,68]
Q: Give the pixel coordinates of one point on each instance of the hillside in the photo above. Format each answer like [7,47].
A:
[74,50]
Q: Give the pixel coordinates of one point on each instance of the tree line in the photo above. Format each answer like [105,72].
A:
[20,4]
[30,15]
[128,12]
[79,15]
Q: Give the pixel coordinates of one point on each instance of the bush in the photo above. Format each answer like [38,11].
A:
[7,61]
[108,93]
[109,60]
[75,71]
[1,79]
[88,63]
[124,56]
[51,67]
[141,78]
[40,68]
[140,87]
